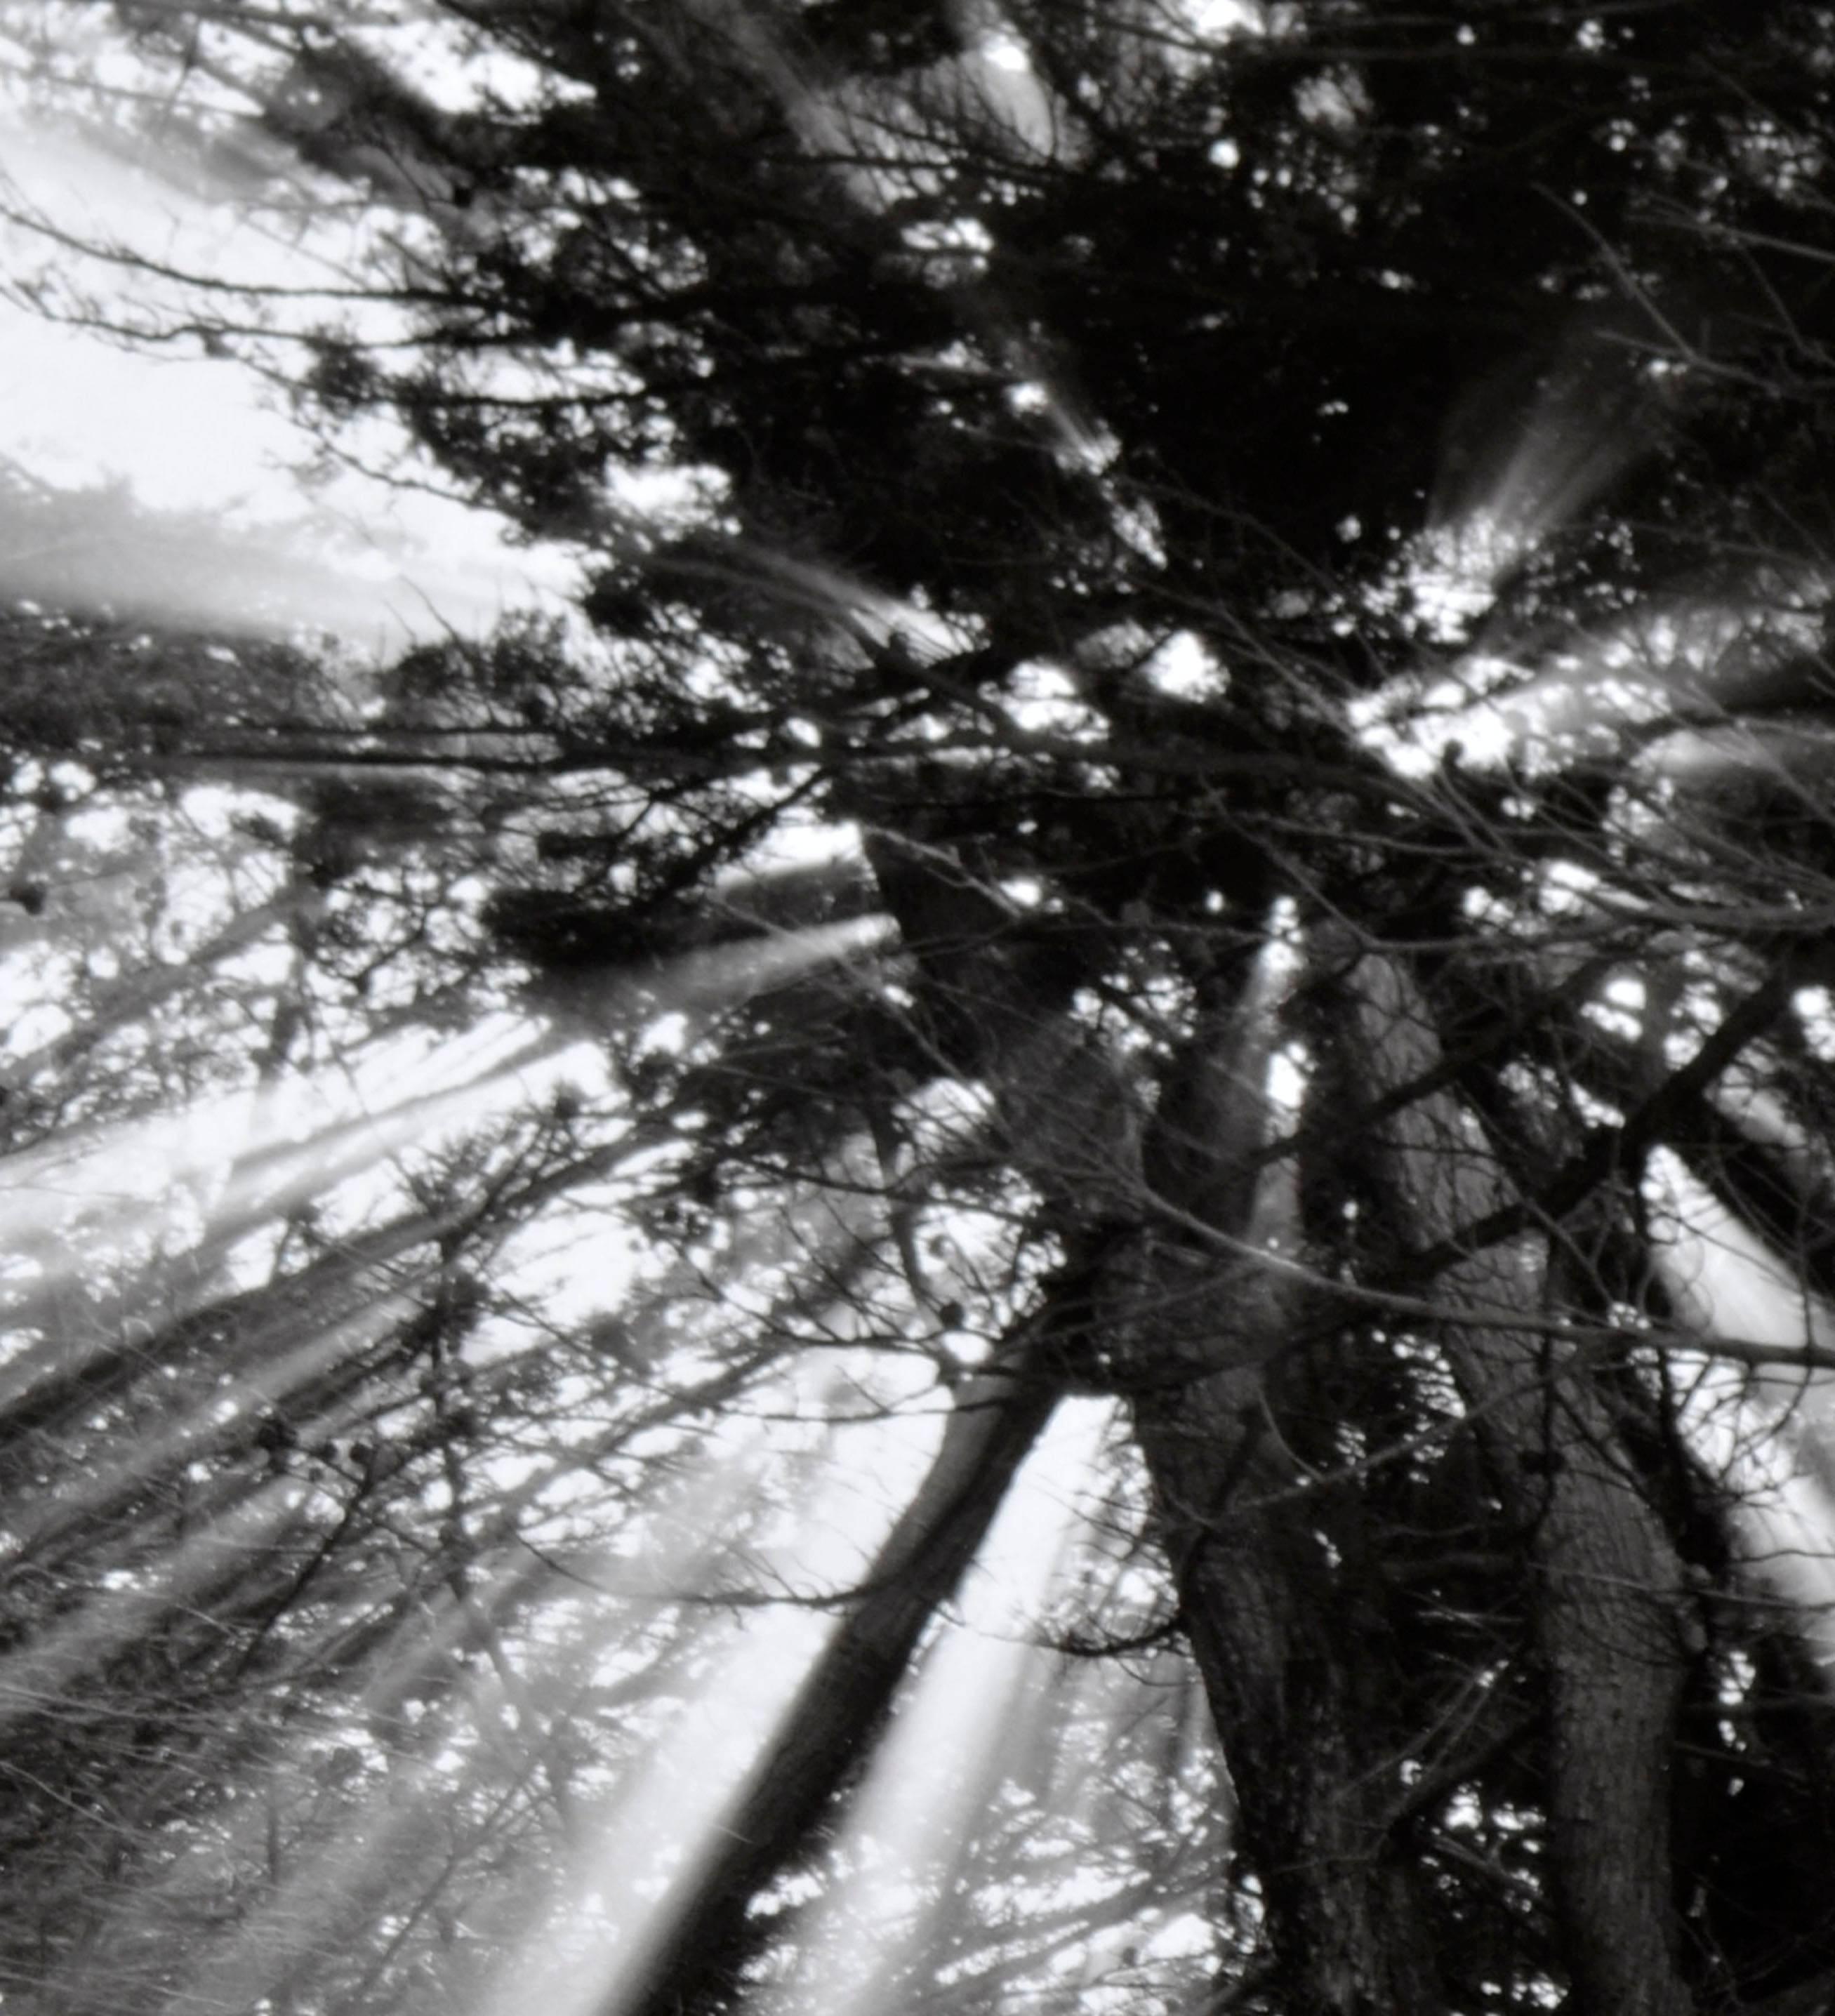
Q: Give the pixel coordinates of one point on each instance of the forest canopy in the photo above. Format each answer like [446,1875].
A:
[1049,1224]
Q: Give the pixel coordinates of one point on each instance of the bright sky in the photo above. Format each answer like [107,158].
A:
[377,564]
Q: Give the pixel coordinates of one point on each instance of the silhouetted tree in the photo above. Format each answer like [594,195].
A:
[1291,559]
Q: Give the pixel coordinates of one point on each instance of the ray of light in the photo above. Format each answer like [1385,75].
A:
[687,1529]
[400,1821]
[665,1820]
[1507,489]
[70,1201]
[907,1828]
[523,1061]
[251,1156]
[676,1540]
[712,978]
[200,1427]
[253,1954]
[269,1182]
[1770,1428]
[33,1677]
[677,1537]
[1611,688]
[666,1813]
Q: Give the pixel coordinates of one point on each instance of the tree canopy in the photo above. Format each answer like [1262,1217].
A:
[1160,934]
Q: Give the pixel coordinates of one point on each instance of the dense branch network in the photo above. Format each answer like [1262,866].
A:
[1209,789]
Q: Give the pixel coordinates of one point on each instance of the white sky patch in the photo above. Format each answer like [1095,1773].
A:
[1004,50]
[433,54]
[1567,888]
[803,842]
[1413,721]
[377,562]
[1286,1081]
[951,247]
[1815,1010]
[1045,701]
[1219,18]
[1454,575]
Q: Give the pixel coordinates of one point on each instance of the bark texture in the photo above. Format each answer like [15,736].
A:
[1608,1591]
[1183,1323]
[1294,1693]
[1296,1687]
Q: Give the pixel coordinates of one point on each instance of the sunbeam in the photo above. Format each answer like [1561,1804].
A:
[400,1822]
[1770,1428]
[1508,484]
[907,1825]
[33,1677]
[195,1174]
[201,1425]
[661,1819]
[257,1155]
[679,1543]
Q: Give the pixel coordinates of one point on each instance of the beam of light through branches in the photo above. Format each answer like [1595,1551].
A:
[894,1858]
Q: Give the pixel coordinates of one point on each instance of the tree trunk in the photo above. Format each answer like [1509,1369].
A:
[1288,1681]
[1296,1685]
[1608,1590]
[1294,1697]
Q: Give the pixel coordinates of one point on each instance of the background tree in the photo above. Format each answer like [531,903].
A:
[1272,573]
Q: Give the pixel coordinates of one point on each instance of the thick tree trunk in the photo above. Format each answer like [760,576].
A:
[1608,1593]
[1294,1695]
[1297,1689]
[1291,1689]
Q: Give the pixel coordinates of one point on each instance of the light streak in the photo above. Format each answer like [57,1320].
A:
[298,1913]
[201,1427]
[1770,1429]
[909,1822]
[34,1678]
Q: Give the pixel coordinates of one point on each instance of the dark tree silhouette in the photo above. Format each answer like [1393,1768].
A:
[1291,562]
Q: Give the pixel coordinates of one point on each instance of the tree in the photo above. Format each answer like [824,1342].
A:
[1297,553]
